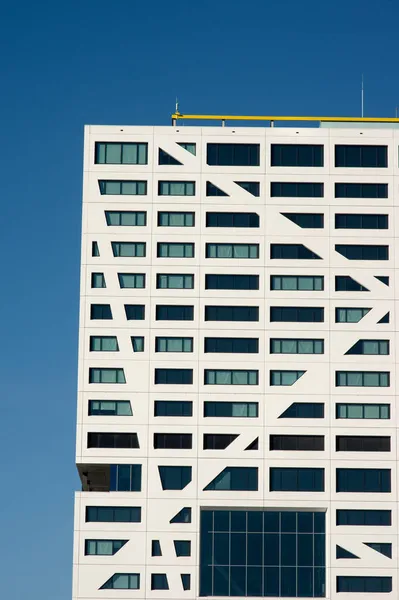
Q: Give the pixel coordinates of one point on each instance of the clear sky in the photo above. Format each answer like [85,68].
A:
[64,64]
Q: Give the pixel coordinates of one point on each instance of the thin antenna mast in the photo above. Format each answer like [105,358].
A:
[362,95]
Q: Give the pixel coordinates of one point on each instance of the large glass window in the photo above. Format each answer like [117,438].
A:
[116,187]
[126,218]
[292,251]
[103,343]
[243,410]
[233,155]
[362,378]
[174,376]
[113,153]
[172,441]
[103,547]
[364,480]
[106,376]
[232,345]
[173,281]
[173,408]
[262,553]
[113,514]
[297,282]
[174,312]
[230,377]
[175,478]
[300,479]
[363,251]
[297,155]
[362,443]
[364,584]
[132,280]
[175,250]
[354,155]
[350,315]
[226,219]
[231,313]
[296,346]
[361,190]
[297,442]
[284,189]
[357,221]
[363,411]
[122,581]
[231,282]
[364,517]
[176,188]
[236,479]
[176,219]
[125,478]
[130,249]
[106,408]
[232,250]
[173,344]
[297,314]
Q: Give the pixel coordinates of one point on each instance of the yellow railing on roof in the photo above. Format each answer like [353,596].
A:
[273,119]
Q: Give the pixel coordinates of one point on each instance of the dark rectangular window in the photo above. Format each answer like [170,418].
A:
[178,441]
[297,155]
[117,187]
[361,190]
[174,376]
[125,478]
[231,282]
[233,155]
[360,221]
[363,252]
[135,312]
[232,345]
[364,480]
[100,311]
[297,314]
[344,283]
[225,219]
[173,408]
[231,313]
[159,581]
[218,441]
[243,410]
[362,443]
[296,190]
[174,312]
[302,283]
[113,514]
[300,479]
[174,477]
[292,251]
[297,442]
[364,517]
[364,584]
[361,156]
[112,440]
[114,153]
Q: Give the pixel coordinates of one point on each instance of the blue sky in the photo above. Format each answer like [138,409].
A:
[64,64]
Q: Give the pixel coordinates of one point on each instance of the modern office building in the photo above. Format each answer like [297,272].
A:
[237,408]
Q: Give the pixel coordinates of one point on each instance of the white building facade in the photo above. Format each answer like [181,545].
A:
[236,423]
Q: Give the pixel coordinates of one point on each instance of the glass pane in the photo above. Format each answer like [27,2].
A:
[113,154]
[121,581]
[129,154]
[354,411]
[113,187]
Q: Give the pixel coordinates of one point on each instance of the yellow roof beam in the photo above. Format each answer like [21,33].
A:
[223,118]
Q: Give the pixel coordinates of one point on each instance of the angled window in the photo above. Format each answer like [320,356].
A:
[362,378]
[166,159]
[231,282]
[297,155]
[361,190]
[189,146]
[233,155]
[113,514]
[297,314]
[126,218]
[98,280]
[285,377]
[159,581]
[174,478]
[131,280]
[174,312]
[384,319]
[301,479]
[359,221]
[381,547]
[175,250]
[218,441]
[176,188]
[306,220]
[112,153]
[235,479]
[183,516]
[363,480]
[95,251]
[173,281]
[106,376]
[229,219]
[362,411]
[173,344]
[362,443]
[298,189]
[241,410]
[107,408]
[125,478]
[231,313]
[230,377]
[232,345]
[253,187]
[173,376]
[363,252]
[343,553]
[296,346]
[130,249]
[104,343]
[156,548]
[364,584]
[232,250]
[122,581]
[314,283]
[112,440]
[361,156]
[173,441]
[344,283]
[370,347]
[364,517]
[173,408]
[254,445]
[135,312]
[103,547]
[350,315]
[292,251]
[100,311]
[304,410]
[297,442]
[176,219]
[213,190]
[383,278]
[117,187]
[137,343]
[182,547]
